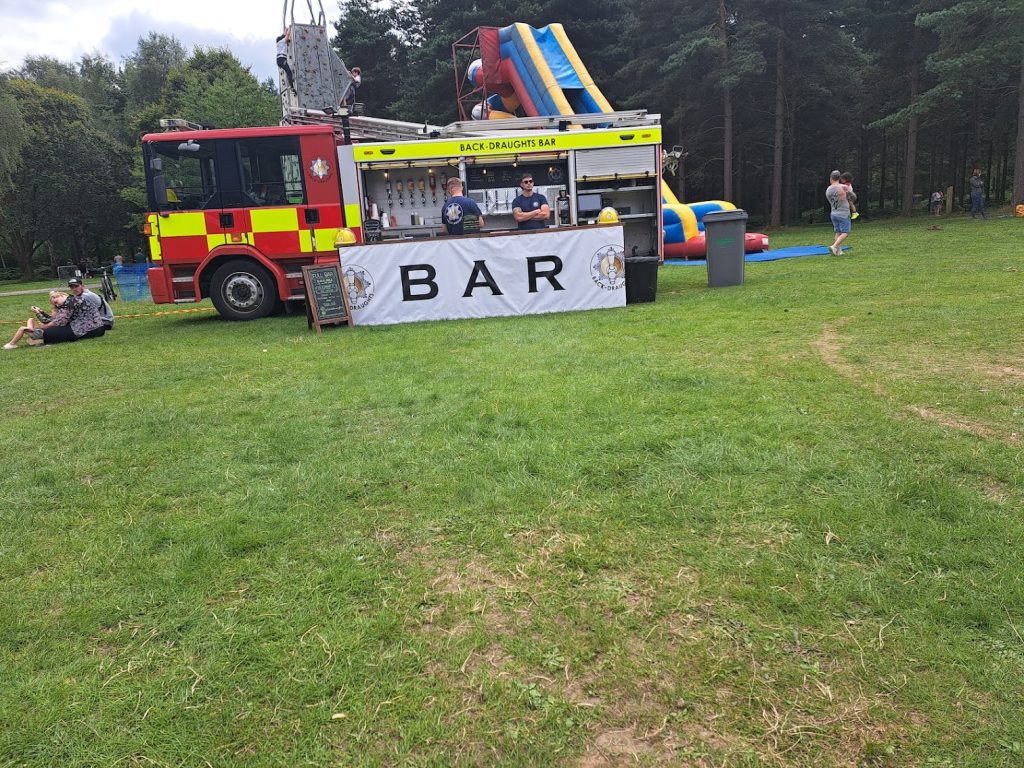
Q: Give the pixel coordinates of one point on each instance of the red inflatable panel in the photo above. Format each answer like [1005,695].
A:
[696,248]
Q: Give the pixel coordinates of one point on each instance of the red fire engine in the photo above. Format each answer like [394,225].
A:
[237,213]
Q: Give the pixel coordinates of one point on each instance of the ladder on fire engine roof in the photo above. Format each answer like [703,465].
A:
[634,118]
[378,129]
[362,128]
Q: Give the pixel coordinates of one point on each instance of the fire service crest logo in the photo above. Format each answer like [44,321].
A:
[608,268]
[359,284]
[320,168]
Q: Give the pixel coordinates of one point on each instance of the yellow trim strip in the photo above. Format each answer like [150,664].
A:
[502,145]
[183,224]
[154,238]
[325,239]
[353,215]
[274,219]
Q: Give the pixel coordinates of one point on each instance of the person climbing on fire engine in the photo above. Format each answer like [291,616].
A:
[282,56]
[350,95]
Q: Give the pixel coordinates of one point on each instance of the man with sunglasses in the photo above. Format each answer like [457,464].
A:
[530,209]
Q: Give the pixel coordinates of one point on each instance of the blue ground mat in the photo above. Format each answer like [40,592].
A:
[772,255]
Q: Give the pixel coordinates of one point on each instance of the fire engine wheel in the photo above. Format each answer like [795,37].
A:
[243,290]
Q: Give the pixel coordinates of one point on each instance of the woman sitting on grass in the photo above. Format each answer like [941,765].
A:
[61,316]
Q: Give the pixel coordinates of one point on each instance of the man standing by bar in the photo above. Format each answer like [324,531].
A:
[460,214]
[530,209]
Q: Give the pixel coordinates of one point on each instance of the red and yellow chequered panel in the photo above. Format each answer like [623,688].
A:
[191,235]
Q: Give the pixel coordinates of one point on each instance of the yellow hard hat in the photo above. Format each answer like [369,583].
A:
[344,237]
[608,216]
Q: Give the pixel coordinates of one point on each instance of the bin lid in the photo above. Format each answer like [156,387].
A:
[738,215]
[641,259]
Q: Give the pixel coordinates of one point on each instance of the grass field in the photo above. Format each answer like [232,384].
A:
[771,525]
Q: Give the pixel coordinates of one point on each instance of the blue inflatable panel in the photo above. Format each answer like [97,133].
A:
[778,254]
[564,72]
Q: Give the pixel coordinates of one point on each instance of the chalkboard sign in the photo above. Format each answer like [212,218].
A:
[326,297]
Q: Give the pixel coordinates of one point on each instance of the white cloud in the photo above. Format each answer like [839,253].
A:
[66,30]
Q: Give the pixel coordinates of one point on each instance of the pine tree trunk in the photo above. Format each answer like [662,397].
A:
[882,172]
[727,140]
[1018,163]
[864,173]
[789,208]
[1005,167]
[911,159]
[780,125]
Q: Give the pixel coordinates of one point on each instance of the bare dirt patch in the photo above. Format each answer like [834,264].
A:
[1002,371]
[996,490]
[829,348]
[624,746]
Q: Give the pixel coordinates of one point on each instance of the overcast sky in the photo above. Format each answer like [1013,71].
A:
[66,30]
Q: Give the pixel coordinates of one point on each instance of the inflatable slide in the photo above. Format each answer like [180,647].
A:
[538,72]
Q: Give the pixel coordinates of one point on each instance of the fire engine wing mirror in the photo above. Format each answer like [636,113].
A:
[188,146]
[160,191]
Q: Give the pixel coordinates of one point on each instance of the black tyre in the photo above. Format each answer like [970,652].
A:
[243,290]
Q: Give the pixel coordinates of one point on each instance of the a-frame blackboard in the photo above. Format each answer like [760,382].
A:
[326,297]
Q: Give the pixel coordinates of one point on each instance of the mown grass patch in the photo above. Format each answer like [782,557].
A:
[769,525]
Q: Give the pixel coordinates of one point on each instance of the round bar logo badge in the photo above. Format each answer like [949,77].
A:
[359,284]
[607,268]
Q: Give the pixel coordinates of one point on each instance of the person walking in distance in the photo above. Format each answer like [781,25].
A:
[977,185]
[839,206]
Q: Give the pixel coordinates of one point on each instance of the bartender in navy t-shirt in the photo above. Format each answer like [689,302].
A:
[458,208]
[531,208]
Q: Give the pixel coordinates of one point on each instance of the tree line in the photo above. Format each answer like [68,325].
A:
[764,96]
[72,184]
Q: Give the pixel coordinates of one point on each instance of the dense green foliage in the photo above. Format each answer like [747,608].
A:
[799,87]
[765,97]
[71,181]
[769,526]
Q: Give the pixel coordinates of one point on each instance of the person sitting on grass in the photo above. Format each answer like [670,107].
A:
[35,331]
[84,321]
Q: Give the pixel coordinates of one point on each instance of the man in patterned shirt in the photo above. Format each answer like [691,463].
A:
[85,321]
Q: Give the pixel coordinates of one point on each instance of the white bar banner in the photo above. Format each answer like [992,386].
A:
[555,270]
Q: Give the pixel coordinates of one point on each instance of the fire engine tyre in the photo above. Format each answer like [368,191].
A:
[243,290]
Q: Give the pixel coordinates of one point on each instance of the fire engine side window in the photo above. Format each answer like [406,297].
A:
[272,171]
[189,172]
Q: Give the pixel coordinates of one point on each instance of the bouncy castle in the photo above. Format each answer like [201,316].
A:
[537,72]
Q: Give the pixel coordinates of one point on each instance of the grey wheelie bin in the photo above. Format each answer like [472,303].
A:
[724,234]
